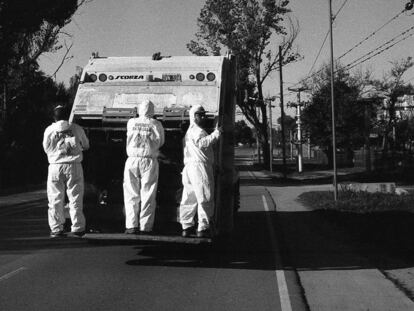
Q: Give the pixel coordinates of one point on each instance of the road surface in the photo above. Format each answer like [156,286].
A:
[37,273]
[283,256]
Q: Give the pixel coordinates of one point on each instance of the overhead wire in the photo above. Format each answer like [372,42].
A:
[382,48]
[371,34]
[343,4]
[326,36]
[354,47]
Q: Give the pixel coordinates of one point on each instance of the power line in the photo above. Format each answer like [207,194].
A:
[326,36]
[383,50]
[372,34]
[351,49]
[319,53]
[343,4]
[383,47]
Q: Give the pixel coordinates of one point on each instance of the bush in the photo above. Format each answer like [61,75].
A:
[358,202]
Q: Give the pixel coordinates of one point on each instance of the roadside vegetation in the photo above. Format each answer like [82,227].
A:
[358,201]
[28,30]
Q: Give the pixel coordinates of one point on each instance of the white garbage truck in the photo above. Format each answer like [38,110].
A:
[108,95]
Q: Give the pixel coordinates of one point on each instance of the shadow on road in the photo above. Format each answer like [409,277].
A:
[322,240]
[24,228]
[314,240]
[249,248]
[318,240]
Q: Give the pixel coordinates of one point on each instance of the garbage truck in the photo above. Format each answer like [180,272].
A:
[108,95]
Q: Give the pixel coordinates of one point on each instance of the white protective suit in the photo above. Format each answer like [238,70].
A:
[63,143]
[198,175]
[145,136]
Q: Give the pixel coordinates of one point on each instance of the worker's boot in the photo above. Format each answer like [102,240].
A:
[186,233]
[132,231]
[204,233]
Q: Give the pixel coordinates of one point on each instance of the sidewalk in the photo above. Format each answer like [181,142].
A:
[333,274]
[311,175]
[332,267]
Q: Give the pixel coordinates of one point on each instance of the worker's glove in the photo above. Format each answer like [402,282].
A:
[71,142]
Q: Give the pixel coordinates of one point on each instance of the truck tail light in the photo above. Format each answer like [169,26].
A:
[200,76]
[90,77]
[211,76]
[102,77]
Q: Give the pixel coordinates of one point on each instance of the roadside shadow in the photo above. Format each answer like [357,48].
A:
[318,240]
[24,228]
[249,248]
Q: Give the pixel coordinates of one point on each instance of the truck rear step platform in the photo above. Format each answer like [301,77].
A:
[146,237]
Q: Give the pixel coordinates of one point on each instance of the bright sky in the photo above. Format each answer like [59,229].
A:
[142,27]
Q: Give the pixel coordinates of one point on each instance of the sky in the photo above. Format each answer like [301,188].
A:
[142,27]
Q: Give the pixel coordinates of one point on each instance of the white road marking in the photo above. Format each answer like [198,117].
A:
[10,274]
[280,274]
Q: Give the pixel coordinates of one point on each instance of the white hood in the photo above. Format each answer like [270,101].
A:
[146,109]
[192,112]
[61,125]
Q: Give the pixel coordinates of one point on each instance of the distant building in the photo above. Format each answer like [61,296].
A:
[405,107]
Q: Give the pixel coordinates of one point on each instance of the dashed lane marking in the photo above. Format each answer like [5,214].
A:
[280,274]
[11,274]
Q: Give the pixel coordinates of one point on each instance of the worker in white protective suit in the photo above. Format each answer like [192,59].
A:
[145,136]
[63,143]
[197,175]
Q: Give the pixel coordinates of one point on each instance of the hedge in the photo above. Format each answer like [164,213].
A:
[358,201]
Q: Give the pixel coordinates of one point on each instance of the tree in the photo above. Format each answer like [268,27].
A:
[28,29]
[394,86]
[349,113]
[74,83]
[289,124]
[246,28]
[242,133]
[405,134]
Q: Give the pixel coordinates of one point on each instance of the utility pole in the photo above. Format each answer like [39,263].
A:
[367,145]
[259,159]
[270,136]
[4,112]
[299,142]
[299,124]
[335,183]
[282,112]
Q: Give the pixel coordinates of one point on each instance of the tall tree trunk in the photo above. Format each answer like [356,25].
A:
[329,155]
[264,143]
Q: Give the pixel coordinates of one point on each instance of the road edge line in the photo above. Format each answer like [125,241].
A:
[280,274]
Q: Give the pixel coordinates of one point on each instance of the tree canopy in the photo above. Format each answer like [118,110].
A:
[28,29]
[246,28]
[349,113]
[393,86]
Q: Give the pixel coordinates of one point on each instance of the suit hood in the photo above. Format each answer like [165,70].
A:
[146,109]
[192,112]
[61,125]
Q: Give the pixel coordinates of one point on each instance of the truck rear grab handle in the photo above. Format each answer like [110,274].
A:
[118,115]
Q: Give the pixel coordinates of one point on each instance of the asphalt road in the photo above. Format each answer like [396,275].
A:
[37,273]
[283,256]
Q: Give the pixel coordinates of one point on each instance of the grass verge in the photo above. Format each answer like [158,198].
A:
[358,201]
